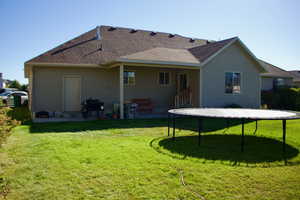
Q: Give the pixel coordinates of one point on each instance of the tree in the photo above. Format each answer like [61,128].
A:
[24,87]
[15,84]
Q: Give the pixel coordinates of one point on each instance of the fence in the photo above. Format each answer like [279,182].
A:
[7,102]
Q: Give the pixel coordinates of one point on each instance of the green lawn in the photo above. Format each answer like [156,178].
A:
[135,160]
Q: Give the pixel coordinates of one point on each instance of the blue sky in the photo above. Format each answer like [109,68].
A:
[270,28]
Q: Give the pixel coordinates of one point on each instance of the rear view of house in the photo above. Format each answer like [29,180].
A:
[118,65]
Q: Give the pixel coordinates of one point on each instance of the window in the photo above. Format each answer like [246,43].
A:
[278,82]
[129,78]
[232,83]
[183,83]
[164,78]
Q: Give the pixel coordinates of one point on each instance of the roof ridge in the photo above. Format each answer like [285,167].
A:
[159,32]
[215,42]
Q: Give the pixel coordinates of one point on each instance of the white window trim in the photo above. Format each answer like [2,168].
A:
[129,84]
[170,78]
[241,83]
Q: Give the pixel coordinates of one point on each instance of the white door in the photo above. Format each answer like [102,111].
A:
[72,88]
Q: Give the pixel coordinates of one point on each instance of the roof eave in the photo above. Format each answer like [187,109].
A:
[29,65]
[154,62]
[261,68]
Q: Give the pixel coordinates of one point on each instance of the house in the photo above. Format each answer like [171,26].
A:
[274,77]
[117,65]
[296,77]
[2,84]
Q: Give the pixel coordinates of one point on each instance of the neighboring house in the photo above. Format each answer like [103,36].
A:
[296,77]
[2,84]
[275,77]
[121,64]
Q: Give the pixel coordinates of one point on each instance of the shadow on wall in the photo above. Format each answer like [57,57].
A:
[226,147]
[181,123]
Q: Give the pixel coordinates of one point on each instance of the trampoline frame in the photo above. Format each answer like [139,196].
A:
[200,120]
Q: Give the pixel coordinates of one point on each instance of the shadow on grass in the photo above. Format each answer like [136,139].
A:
[227,148]
[181,123]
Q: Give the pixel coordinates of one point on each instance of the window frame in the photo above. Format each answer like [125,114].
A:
[241,78]
[129,84]
[278,80]
[164,78]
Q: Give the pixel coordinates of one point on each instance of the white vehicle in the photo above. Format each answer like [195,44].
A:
[8,94]
[3,90]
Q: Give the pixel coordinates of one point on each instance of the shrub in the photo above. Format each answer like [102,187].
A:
[6,124]
[20,114]
[283,98]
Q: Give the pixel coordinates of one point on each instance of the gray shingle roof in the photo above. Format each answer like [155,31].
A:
[164,54]
[114,43]
[274,71]
[205,51]
[296,75]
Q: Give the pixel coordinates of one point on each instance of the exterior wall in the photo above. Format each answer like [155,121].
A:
[96,83]
[297,84]
[288,81]
[267,82]
[1,81]
[232,59]
[147,86]
[103,84]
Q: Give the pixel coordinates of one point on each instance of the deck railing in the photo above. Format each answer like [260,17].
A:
[183,98]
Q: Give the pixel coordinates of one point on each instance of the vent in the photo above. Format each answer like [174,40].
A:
[112,29]
[153,33]
[98,35]
[133,31]
[171,35]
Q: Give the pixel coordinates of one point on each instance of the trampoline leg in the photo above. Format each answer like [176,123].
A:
[168,124]
[255,127]
[283,134]
[227,123]
[199,130]
[243,135]
[173,127]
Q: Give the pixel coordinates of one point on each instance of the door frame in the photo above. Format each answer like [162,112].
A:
[178,80]
[63,88]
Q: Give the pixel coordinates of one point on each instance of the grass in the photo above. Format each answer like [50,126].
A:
[135,160]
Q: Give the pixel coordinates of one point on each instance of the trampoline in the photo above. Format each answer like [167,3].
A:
[232,113]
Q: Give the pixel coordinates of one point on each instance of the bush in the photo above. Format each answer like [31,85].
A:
[6,124]
[20,114]
[284,98]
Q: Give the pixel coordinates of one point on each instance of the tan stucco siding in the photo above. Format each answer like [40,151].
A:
[147,86]
[296,84]
[96,83]
[103,84]
[267,83]
[194,84]
[232,59]
[288,81]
